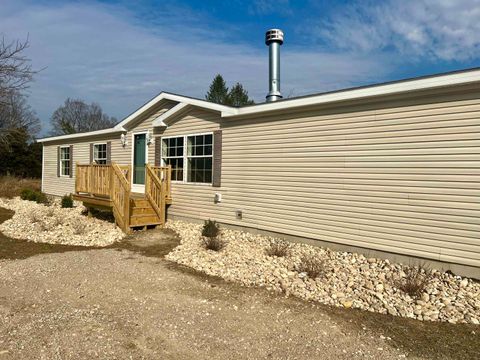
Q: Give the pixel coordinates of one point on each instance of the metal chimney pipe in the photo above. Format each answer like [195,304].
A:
[273,39]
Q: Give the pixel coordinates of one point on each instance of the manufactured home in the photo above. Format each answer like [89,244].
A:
[389,170]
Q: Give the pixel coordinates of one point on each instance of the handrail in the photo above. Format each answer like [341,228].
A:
[165,173]
[120,196]
[156,188]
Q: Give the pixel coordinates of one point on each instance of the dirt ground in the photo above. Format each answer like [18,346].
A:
[127,302]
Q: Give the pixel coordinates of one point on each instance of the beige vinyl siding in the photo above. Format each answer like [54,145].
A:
[400,176]
[193,200]
[123,155]
[59,186]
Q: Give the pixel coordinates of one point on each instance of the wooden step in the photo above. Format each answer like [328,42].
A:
[142,211]
[139,203]
[142,220]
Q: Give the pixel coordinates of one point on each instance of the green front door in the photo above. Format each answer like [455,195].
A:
[139,158]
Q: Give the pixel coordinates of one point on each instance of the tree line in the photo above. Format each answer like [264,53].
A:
[20,154]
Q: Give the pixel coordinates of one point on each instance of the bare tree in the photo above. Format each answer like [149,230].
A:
[15,69]
[16,117]
[76,116]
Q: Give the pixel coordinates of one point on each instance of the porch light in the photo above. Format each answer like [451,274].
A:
[123,140]
[148,137]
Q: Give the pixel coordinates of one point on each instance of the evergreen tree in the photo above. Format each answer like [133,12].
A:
[238,96]
[218,91]
[23,157]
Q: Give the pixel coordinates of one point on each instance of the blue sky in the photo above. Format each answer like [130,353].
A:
[122,53]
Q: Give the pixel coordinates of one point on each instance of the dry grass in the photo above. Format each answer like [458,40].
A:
[34,218]
[43,226]
[416,280]
[11,186]
[312,266]
[57,221]
[278,249]
[78,228]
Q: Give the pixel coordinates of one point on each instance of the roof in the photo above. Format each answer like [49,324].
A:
[83,134]
[461,77]
[455,78]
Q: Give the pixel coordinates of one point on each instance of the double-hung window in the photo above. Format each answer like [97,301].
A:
[172,154]
[65,161]
[191,157]
[200,158]
[100,154]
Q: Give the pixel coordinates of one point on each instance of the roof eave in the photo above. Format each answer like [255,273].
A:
[80,135]
[462,78]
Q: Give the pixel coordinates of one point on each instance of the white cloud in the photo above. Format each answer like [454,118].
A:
[266,7]
[105,54]
[439,29]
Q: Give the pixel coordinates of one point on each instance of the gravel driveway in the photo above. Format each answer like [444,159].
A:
[130,303]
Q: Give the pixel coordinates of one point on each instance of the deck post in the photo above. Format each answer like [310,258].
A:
[110,173]
[76,177]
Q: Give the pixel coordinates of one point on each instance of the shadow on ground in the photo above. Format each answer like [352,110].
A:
[429,340]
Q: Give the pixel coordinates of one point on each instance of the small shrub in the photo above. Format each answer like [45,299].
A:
[312,266]
[213,243]
[67,201]
[416,280]
[43,226]
[50,212]
[57,221]
[33,195]
[27,194]
[210,229]
[34,218]
[78,228]
[278,249]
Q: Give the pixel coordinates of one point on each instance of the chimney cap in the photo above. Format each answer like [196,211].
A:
[274,35]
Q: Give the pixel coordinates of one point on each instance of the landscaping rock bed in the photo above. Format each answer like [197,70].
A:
[348,280]
[56,225]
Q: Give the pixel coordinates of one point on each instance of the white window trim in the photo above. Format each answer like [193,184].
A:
[106,150]
[69,159]
[185,157]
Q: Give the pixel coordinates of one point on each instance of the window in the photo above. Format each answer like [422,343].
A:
[100,154]
[200,158]
[65,161]
[172,154]
[191,157]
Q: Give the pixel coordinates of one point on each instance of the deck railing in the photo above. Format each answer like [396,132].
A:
[110,184]
[157,188]
[93,179]
[120,196]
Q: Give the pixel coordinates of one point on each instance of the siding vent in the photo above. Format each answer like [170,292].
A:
[238,214]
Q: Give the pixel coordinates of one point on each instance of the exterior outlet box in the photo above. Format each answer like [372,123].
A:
[238,214]
[217,198]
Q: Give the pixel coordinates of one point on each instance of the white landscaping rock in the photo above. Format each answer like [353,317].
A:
[56,225]
[351,280]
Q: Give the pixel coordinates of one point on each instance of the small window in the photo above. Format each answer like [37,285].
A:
[100,154]
[200,158]
[65,161]
[172,154]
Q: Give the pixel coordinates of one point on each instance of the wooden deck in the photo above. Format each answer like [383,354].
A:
[109,187]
